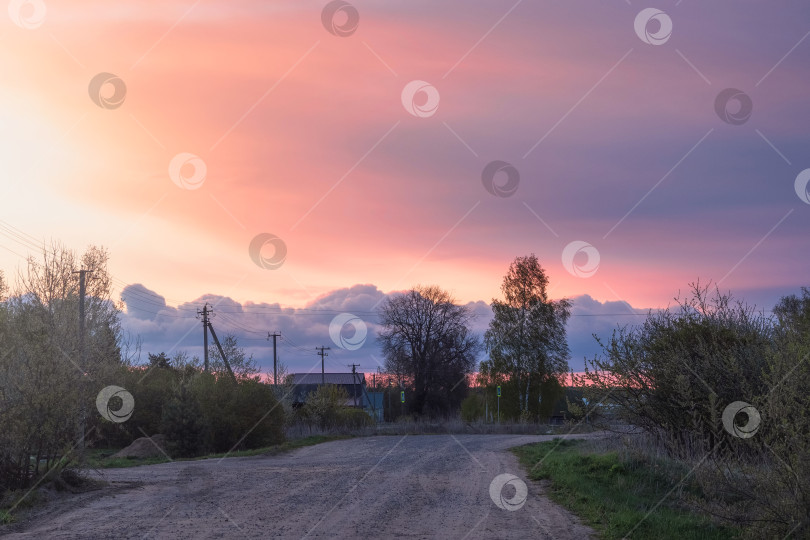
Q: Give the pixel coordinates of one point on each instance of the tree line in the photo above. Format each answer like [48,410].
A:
[428,343]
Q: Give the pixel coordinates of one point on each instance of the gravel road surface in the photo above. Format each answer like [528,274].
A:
[425,486]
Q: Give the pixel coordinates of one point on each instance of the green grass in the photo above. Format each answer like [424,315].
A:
[614,495]
[101,458]
[16,499]
[566,429]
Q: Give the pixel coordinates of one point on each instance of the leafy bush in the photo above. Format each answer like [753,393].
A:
[326,408]
[183,425]
[198,412]
[472,408]
[239,414]
[322,406]
[675,375]
[353,418]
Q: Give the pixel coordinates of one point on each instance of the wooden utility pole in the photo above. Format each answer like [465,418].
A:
[82,357]
[204,313]
[374,393]
[322,354]
[221,352]
[274,335]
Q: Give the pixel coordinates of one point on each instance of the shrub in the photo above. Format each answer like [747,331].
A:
[472,408]
[183,425]
[675,375]
[323,404]
[353,418]
[326,408]
[239,415]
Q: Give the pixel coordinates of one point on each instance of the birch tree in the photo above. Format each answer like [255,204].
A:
[526,339]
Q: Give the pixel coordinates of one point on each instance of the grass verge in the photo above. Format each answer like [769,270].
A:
[616,494]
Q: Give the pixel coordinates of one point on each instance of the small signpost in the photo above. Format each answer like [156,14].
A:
[499,403]
[402,396]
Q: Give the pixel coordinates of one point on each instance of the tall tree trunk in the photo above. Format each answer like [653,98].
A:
[526,396]
[521,392]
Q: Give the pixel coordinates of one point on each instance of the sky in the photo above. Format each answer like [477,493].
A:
[312,157]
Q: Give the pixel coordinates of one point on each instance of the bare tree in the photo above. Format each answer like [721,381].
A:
[426,338]
[242,364]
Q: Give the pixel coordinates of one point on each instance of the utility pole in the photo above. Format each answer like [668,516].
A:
[221,352]
[204,313]
[206,320]
[274,335]
[354,380]
[322,354]
[82,355]
[374,386]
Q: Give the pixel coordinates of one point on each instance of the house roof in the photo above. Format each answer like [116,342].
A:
[329,378]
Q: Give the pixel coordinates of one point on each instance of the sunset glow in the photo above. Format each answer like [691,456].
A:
[304,136]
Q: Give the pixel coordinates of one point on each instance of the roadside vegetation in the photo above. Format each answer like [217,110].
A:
[622,491]
[54,365]
[672,380]
[721,388]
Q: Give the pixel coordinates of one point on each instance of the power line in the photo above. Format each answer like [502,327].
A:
[239,325]
[163,314]
[295,352]
[286,338]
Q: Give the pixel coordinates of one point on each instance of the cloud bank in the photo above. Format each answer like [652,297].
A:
[323,322]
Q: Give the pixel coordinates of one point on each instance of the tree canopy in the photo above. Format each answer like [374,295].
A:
[526,339]
[426,340]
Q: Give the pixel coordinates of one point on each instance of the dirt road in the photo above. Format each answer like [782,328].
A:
[427,486]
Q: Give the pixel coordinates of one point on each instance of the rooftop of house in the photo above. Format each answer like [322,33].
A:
[329,378]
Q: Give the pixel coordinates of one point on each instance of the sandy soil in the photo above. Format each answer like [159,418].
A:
[427,486]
